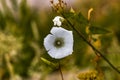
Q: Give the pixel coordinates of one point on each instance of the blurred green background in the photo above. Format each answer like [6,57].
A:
[24,25]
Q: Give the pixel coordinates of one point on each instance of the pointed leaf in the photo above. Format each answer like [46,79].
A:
[72,10]
[98,30]
[68,14]
[51,64]
[81,19]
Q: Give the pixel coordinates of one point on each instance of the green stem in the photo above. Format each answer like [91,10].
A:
[61,71]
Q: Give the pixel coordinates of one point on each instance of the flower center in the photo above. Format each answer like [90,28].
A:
[59,42]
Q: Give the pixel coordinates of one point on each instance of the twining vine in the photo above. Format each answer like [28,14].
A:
[60,8]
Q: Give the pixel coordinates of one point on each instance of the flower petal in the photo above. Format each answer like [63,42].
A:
[59,23]
[55,23]
[68,40]
[58,31]
[58,20]
[63,33]
[48,42]
[59,53]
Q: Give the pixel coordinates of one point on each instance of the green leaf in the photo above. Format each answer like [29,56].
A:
[98,30]
[49,63]
[2,21]
[68,14]
[81,19]
[23,8]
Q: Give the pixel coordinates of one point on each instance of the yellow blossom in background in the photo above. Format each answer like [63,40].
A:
[89,75]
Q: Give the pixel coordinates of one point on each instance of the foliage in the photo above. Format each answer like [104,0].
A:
[22,30]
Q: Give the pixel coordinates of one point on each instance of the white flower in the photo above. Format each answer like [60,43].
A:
[58,20]
[59,43]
